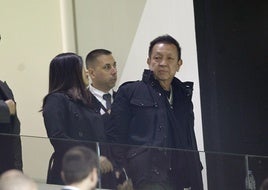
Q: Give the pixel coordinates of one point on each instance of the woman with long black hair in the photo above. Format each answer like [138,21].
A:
[69,116]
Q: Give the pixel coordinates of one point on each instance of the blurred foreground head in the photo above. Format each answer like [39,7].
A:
[16,180]
[79,168]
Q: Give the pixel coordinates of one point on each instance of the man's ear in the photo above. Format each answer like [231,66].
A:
[91,72]
[180,62]
[149,62]
[93,177]
[179,65]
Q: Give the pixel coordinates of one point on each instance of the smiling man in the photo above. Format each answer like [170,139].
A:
[158,112]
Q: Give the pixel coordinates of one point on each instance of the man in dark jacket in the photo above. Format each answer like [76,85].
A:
[157,112]
[102,71]
[10,143]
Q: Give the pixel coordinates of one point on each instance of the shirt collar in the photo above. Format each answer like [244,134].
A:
[69,187]
[98,93]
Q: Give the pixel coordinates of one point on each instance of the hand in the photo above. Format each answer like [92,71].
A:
[11,106]
[105,165]
[127,185]
[117,174]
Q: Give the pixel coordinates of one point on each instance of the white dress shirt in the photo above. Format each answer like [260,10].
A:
[98,94]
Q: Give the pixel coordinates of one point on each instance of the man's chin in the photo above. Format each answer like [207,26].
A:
[112,85]
[161,78]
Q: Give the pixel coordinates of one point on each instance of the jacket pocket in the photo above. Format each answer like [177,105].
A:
[142,103]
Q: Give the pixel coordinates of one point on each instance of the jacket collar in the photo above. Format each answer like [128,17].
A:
[148,77]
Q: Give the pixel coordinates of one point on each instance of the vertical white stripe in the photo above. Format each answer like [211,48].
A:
[67,26]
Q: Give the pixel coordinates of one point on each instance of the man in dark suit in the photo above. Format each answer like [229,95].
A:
[79,169]
[102,70]
[10,143]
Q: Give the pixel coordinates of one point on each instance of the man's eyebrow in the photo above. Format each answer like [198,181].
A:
[110,63]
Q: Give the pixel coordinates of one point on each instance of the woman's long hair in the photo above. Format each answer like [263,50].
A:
[65,76]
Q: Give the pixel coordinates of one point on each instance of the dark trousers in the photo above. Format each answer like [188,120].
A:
[10,153]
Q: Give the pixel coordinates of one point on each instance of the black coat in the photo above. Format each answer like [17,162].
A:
[10,142]
[141,115]
[97,106]
[108,180]
[66,121]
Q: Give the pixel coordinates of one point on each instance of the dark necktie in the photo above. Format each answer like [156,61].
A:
[107,98]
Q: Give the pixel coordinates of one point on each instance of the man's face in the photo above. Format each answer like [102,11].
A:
[104,73]
[164,62]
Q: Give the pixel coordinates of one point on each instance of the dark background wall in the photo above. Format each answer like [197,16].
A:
[232,46]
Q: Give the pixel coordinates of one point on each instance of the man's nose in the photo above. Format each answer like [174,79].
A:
[114,70]
[163,62]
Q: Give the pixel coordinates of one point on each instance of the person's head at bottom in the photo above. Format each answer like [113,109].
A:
[264,185]
[15,180]
[79,168]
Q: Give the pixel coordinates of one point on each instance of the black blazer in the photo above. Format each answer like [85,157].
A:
[9,124]
[10,145]
[97,106]
[108,180]
[67,121]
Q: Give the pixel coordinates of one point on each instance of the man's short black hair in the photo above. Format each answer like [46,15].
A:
[77,163]
[167,39]
[94,54]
